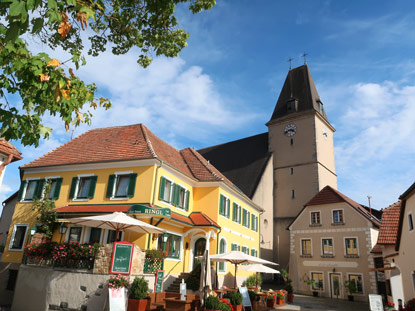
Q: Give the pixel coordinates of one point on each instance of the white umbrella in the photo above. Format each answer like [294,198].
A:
[116,221]
[259,268]
[205,275]
[237,258]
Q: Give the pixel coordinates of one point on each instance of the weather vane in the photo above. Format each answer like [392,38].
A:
[304,56]
[290,60]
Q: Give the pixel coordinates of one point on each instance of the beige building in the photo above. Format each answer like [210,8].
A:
[330,243]
[280,170]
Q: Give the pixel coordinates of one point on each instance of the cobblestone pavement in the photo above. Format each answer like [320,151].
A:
[310,303]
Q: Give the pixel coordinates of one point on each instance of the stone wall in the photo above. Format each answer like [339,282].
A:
[103,260]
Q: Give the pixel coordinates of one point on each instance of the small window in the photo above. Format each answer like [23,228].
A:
[351,246]
[254,252]
[292,141]
[292,105]
[55,187]
[236,213]
[222,250]
[121,185]
[292,194]
[254,223]
[83,187]
[165,190]
[30,189]
[327,247]
[245,218]
[18,237]
[235,247]
[224,206]
[170,244]
[74,234]
[315,218]
[318,281]
[245,250]
[338,217]
[111,236]
[292,171]
[306,247]
[95,235]
[410,222]
[357,278]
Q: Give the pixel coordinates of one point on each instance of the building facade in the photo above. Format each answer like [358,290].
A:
[330,243]
[8,154]
[129,169]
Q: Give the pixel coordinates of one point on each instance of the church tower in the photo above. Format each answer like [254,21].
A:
[301,141]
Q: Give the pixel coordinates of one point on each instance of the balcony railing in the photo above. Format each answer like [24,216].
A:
[151,265]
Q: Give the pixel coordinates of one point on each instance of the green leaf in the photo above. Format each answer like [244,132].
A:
[17,8]
[30,4]
[12,32]
[52,4]
[37,25]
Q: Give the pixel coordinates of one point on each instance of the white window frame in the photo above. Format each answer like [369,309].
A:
[181,245]
[224,263]
[254,229]
[13,236]
[227,204]
[322,248]
[75,226]
[186,193]
[301,247]
[170,192]
[345,249]
[256,251]
[363,282]
[311,278]
[106,233]
[25,188]
[47,180]
[75,195]
[246,248]
[315,224]
[410,217]
[87,235]
[247,220]
[113,197]
[238,246]
[238,207]
[332,216]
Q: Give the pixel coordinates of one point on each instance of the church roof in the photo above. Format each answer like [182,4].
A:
[298,88]
[242,161]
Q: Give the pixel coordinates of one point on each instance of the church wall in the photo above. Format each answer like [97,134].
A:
[263,197]
[326,178]
[282,242]
[325,147]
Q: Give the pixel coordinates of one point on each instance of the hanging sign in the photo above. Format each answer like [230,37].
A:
[149,211]
[158,286]
[122,257]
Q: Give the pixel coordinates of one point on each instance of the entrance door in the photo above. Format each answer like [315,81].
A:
[200,246]
[335,285]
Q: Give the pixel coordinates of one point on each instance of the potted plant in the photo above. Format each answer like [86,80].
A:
[270,300]
[254,300]
[138,295]
[280,297]
[312,283]
[288,286]
[351,288]
[236,300]
[212,304]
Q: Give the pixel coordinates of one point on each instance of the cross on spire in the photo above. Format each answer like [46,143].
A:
[290,61]
[304,56]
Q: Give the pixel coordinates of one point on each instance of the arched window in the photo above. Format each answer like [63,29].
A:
[222,249]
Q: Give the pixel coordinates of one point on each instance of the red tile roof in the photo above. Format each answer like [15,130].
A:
[194,219]
[388,232]
[330,195]
[132,142]
[377,249]
[8,148]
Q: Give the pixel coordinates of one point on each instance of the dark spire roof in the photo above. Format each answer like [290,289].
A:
[298,95]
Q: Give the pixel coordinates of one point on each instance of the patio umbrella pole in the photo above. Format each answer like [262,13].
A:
[236,268]
[205,288]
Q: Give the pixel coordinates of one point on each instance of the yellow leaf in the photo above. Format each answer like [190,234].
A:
[44,77]
[64,17]
[79,116]
[57,94]
[81,18]
[71,73]
[67,126]
[54,62]
[94,105]
[65,94]
[63,29]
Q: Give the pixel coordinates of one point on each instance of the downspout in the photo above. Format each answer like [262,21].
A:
[154,195]
[259,230]
[217,248]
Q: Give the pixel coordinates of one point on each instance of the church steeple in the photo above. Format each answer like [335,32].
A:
[298,95]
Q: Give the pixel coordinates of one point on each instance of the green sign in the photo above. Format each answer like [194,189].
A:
[159,281]
[122,256]
[145,210]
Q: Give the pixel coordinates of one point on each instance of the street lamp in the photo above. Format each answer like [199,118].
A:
[32,232]
[62,230]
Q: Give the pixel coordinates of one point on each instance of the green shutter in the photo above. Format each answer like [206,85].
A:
[186,206]
[22,186]
[240,211]
[243,217]
[239,248]
[253,222]
[110,186]
[221,204]
[228,208]
[234,210]
[73,187]
[39,189]
[173,197]
[92,185]
[162,185]
[252,252]
[57,191]
[249,219]
[131,185]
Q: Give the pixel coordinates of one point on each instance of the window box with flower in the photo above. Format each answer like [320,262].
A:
[154,260]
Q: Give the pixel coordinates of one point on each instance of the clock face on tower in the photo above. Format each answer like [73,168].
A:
[290,130]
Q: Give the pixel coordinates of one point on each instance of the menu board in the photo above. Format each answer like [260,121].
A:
[122,256]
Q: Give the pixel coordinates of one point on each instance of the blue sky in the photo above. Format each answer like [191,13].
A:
[225,83]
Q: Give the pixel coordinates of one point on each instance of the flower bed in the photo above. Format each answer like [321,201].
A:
[64,255]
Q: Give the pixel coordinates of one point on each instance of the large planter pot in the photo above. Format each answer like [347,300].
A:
[350,297]
[270,303]
[290,297]
[280,301]
[137,305]
[237,307]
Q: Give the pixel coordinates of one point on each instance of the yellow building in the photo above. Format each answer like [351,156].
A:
[129,169]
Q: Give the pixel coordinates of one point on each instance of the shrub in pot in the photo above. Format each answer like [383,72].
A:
[351,288]
[236,300]
[270,300]
[138,295]
[253,280]
[288,285]
[212,303]
[312,283]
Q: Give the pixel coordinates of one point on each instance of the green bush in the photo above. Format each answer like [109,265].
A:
[236,298]
[138,289]
[253,279]
[224,307]
[212,303]
[193,280]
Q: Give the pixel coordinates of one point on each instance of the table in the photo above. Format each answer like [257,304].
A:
[220,292]
[263,297]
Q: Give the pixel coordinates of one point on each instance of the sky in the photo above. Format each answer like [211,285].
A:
[224,85]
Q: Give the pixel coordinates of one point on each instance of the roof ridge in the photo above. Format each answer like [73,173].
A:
[196,154]
[147,139]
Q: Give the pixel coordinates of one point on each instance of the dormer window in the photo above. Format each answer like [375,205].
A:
[320,106]
[292,105]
